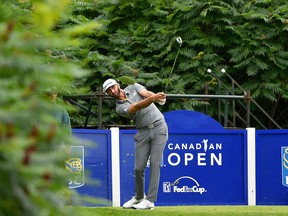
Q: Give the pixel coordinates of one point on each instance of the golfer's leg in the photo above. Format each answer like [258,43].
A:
[156,155]
[142,151]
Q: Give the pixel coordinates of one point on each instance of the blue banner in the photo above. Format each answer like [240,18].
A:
[207,167]
[198,167]
[204,168]
[271,167]
[91,164]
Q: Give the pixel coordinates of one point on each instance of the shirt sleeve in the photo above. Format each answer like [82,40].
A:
[122,109]
[138,87]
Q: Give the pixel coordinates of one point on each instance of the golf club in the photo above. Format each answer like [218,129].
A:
[179,40]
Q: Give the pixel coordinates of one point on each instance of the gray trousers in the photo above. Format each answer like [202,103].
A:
[149,142]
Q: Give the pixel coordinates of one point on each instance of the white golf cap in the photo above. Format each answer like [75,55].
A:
[108,83]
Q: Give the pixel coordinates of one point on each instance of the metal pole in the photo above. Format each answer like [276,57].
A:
[206,93]
[248,102]
[225,113]
[89,111]
[233,80]
[100,106]
[219,101]
[205,96]
[233,106]
[251,99]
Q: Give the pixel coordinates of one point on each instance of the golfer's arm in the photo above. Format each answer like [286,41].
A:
[145,93]
[141,104]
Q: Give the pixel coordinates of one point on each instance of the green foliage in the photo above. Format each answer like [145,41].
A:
[32,147]
[137,40]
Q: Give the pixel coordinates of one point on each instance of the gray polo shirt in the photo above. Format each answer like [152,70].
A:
[143,117]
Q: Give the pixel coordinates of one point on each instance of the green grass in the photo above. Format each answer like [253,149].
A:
[185,210]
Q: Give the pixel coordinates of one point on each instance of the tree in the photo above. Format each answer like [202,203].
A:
[246,38]
[32,153]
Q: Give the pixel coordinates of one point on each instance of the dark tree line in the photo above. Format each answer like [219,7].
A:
[137,39]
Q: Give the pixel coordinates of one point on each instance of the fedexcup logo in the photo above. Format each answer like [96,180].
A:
[75,165]
[184,184]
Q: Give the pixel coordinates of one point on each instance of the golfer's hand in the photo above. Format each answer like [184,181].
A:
[160,96]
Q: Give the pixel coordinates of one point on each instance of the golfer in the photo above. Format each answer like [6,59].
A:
[137,103]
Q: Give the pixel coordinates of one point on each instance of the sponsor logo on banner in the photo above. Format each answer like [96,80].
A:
[75,165]
[284,153]
[184,184]
[201,153]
